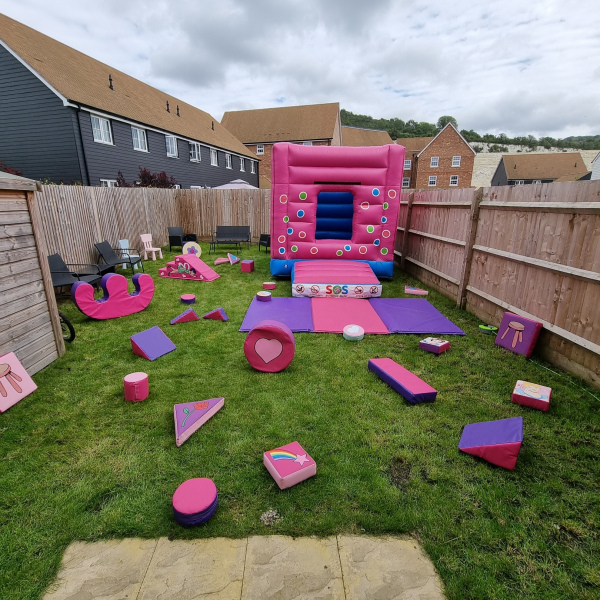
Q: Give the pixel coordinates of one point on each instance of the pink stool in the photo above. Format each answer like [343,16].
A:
[136,387]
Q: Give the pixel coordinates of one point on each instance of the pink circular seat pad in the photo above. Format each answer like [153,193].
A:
[194,496]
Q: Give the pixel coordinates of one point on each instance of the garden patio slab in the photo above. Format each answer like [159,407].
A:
[276,567]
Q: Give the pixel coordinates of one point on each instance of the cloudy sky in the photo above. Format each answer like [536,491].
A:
[518,67]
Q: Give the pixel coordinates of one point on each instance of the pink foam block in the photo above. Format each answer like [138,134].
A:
[15,382]
[136,387]
[232,258]
[407,384]
[415,291]
[152,343]
[218,314]
[269,285]
[518,334]
[188,298]
[270,346]
[117,301]
[247,266]
[532,395]
[186,316]
[289,465]
[220,261]
[190,416]
[434,345]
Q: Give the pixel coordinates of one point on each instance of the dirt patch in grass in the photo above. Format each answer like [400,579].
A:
[399,472]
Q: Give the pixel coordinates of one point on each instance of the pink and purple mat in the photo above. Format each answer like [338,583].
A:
[331,315]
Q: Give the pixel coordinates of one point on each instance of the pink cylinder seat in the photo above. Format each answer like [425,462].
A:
[195,501]
[270,346]
[136,387]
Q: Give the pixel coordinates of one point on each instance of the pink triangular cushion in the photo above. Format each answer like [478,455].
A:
[503,455]
[232,258]
[190,416]
[218,315]
[184,317]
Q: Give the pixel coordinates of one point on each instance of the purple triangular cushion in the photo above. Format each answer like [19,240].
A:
[190,416]
[152,343]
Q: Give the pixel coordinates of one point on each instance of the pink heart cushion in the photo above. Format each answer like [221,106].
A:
[270,346]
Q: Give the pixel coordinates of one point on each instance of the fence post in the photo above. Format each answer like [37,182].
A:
[461,296]
[404,250]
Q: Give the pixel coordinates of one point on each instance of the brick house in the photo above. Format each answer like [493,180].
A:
[443,161]
[360,136]
[523,169]
[258,130]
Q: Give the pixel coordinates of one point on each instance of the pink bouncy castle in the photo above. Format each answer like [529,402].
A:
[335,203]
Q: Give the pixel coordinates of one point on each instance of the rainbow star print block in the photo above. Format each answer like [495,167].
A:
[289,465]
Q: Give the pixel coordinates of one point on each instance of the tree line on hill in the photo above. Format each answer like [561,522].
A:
[397,128]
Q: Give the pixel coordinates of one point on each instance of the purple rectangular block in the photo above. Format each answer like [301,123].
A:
[490,433]
[296,313]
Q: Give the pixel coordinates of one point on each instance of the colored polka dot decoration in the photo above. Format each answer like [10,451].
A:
[386,205]
[365,205]
[376,242]
[375,192]
[339,252]
[384,251]
[290,231]
[281,250]
[302,235]
[363,249]
[283,198]
[370,229]
[300,214]
[392,193]
[281,239]
[347,247]
[286,219]
[384,219]
[386,233]
[314,250]
[303,196]
[294,248]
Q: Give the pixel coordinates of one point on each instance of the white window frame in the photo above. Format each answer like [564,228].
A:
[519,182]
[405,182]
[228,161]
[260,149]
[177,186]
[140,142]
[435,161]
[214,158]
[453,180]
[170,152]
[456,161]
[196,187]
[537,181]
[195,154]
[308,143]
[108,183]
[253,166]
[407,164]
[101,130]
[432,181]
[242,165]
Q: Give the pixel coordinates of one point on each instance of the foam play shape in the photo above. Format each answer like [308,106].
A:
[289,465]
[532,395]
[434,345]
[220,261]
[518,334]
[353,333]
[218,314]
[247,266]
[497,442]
[15,382]
[270,346]
[117,301]
[188,298]
[190,416]
[335,203]
[263,296]
[185,317]
[269,285]
[331,315]
[192,248]
[195,501]
[407,384]
[188,266]
[334,279]
[415,291]
[232,258]
[295,313]
[152,343]
[136,387]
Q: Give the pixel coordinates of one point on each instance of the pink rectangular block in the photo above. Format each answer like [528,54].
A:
[15,382]
[532,395]
[407,384]
[247,266]
[289,465]
[434,345]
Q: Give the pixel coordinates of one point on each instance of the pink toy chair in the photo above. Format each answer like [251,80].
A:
[147,242]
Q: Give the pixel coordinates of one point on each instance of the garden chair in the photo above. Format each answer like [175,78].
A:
[265,240]
[147,242]
[63,276]
[126,251]
[110,257]
[178,238]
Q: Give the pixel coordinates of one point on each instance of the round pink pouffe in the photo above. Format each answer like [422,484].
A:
[188,298]
[136,387]
[195,501]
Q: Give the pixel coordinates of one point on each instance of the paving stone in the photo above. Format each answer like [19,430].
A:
[111,570]
[185,570]
[284,568]
[387,568]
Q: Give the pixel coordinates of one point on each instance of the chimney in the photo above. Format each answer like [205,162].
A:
[178,111]
[168,109]
[110,85]
[213,125]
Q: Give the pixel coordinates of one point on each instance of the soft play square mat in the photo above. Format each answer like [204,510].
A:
[331,315]
[296,313]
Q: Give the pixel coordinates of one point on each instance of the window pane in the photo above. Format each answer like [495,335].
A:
[242,165]
[252,167]
[456,161]
[407,164]
[214,161]
[228,161]
[260,149]
[405,182]
[432,180]
[96,129]
[434,161]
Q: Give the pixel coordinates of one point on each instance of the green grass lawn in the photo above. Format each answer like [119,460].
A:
[80,463]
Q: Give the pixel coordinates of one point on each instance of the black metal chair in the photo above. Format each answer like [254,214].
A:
[178,238]
[265,240]
[63,276]
[127,256]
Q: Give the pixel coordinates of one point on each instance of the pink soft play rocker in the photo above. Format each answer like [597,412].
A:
[117,301]
[289,465]
[270,346]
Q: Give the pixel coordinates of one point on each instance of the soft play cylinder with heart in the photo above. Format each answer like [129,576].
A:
[270,346]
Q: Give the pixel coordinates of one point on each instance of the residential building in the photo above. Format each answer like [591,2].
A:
[443,161]
[523,169]
[596,167]
[360,136]
[66,117]
[259,129]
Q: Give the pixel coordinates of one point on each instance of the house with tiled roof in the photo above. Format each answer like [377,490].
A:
[360,136]
[443,161]
[259,129]
[548,167]
[65,116]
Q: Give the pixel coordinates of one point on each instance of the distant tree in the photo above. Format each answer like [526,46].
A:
[443,121]
[470,135]
[497,148]
[148,179]
[4,167]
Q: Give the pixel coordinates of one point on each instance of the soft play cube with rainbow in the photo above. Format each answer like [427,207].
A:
[532,395]
[289,465]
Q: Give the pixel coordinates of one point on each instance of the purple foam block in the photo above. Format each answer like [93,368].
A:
[152,343]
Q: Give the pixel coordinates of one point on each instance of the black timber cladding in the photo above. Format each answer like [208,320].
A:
[36,129]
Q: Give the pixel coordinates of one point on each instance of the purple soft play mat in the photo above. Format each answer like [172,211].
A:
[296,313]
